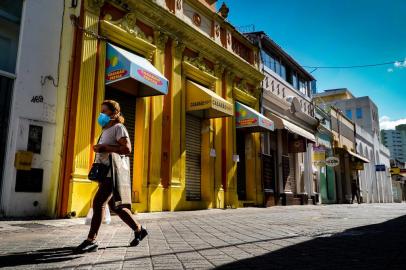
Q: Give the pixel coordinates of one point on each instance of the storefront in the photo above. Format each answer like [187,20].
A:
[294,162]
[176,87]
[248,121]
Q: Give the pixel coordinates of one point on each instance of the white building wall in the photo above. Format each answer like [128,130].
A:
[38,57]
[375,186]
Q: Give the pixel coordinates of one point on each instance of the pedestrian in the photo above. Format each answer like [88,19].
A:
[355,191]
[112,146]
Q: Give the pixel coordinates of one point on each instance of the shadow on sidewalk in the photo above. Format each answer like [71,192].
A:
[378,246]
[38,257]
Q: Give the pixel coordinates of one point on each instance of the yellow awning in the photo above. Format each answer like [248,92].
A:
[281,123]
[204,103]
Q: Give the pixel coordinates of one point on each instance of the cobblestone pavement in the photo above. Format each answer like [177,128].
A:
[296,237]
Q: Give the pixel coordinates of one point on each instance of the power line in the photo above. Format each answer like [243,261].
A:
[355,66]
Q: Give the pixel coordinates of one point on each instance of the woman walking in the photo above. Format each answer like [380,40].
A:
[113,142]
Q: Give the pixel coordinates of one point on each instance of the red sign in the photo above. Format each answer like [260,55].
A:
[247,122]
[116,74]
[150,77]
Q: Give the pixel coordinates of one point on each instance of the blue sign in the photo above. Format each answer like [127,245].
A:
[380,168]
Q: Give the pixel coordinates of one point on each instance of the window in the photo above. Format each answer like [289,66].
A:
[302,87]
[10,15]
[358,112]
[348,113]
[295,81]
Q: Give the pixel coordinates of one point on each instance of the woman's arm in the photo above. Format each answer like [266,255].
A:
[123,147]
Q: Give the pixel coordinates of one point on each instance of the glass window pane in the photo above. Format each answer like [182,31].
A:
[348,113]
[283,72]
[359,113]
[10,15]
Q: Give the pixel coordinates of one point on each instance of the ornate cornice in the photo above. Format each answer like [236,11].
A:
[157,16]
[219,69]
[199,63]
[160,39]
[179,49]
[94,5]
[129,23]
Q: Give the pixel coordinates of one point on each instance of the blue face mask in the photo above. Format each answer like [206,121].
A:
[103,119]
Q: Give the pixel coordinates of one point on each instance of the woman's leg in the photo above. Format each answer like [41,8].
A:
[103,195]
[125,215]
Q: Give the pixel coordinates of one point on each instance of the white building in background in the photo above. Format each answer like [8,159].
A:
[376,186]
[375,180]
[34,61]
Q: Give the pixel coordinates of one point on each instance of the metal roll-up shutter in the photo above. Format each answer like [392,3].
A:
[193,158]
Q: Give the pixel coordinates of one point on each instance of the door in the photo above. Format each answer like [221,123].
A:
[193,158]
[269,178]
[241,172]
[127,105]
[6,87]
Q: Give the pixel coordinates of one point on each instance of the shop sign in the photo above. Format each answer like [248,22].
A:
[245,118]
[332,161]
[380,168]
[117,66]
[319,153]
[395,170]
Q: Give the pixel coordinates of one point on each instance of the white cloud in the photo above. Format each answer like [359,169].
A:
[390,69]
[400,64]
[386,122]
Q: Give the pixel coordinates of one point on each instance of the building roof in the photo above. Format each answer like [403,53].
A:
[330,92]
[268,41]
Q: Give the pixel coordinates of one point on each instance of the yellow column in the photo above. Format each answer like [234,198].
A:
[231,193]
[155,189]
[219,129]
[177,181]
[81,188]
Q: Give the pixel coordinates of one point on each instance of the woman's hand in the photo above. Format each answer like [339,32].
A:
[100,148]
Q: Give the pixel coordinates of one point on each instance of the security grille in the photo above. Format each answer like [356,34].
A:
[193,158]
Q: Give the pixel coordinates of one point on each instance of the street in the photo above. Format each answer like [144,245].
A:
[366,236]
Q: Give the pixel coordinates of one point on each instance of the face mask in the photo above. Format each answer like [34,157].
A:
[103,119]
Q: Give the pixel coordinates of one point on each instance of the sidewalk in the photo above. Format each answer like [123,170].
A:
[305,237]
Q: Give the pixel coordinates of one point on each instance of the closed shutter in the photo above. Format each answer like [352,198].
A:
[193,158]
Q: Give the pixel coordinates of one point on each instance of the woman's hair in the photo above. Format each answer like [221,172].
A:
[114,106]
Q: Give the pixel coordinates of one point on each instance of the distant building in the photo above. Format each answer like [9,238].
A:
[361,110]
[373,176]
[395,140]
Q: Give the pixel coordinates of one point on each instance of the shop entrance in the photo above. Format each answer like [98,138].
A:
[6,87]
[193,158]
[241,169]
[127,104]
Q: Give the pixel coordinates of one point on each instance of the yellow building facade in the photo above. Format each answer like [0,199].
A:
[184,140]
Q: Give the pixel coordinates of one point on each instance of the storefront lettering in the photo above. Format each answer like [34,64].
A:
[199,103]
[115,75]
[150,77]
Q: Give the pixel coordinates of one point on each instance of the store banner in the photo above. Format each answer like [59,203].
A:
[319,155]
[122,65]
[247,117]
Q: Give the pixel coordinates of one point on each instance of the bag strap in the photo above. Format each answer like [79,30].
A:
[98,140]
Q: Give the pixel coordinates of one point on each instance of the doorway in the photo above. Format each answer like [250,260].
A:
[6,88]
[128,109]
[241,167]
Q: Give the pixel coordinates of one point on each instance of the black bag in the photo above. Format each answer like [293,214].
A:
[99,171]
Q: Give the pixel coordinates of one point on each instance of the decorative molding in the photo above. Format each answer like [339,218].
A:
[157,16]
[242,84]
[217,30]
[244,97]
[198,75]
[199,63]
[129,24]
[230,77]
[179,4]
[123,37]
[160,39]
[123,4]
[197,20]
[219,69]
[94,5]
[179,49]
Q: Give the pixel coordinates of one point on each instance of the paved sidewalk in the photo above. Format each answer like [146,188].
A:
[296,237]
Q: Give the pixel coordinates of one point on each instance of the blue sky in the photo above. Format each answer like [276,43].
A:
[340,33]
